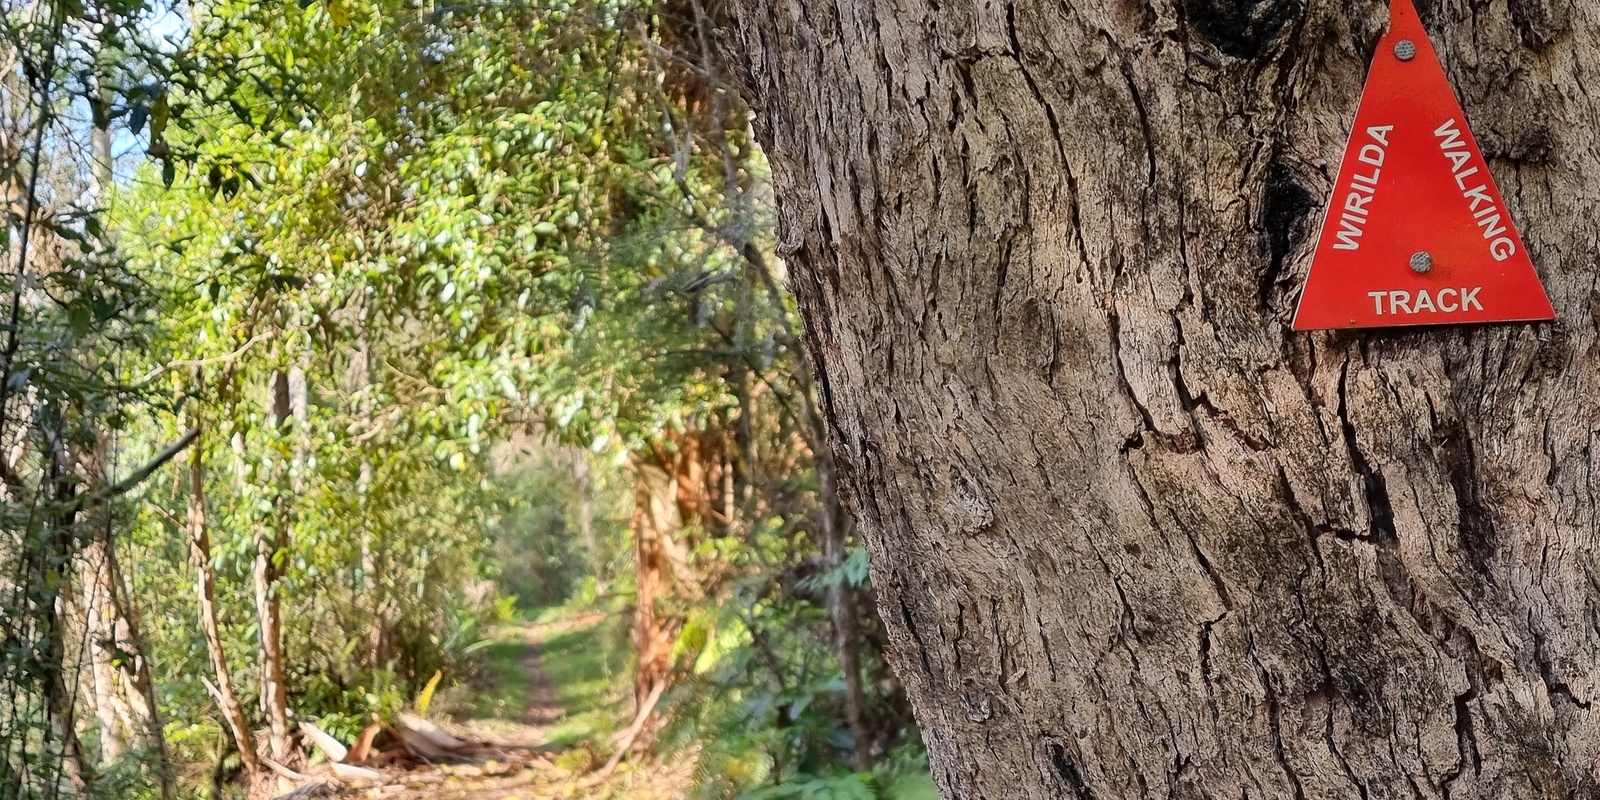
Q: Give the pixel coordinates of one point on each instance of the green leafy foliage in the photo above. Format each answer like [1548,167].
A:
[425,289]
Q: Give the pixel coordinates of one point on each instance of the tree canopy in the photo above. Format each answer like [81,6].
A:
[332,322]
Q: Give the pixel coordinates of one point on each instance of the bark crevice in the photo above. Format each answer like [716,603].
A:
[1120,517]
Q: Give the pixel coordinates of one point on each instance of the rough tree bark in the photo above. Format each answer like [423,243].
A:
[1130,535]
[117,682]
[119,672]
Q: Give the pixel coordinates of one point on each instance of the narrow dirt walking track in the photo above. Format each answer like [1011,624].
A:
[563,765]
[542,709]
[545,752]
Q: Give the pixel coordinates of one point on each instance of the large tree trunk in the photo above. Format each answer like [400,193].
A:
[1131,536]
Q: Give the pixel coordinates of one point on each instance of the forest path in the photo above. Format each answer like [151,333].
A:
[517,679]
[551,689]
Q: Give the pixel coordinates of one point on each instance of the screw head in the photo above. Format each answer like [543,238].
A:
[1405,49]
[1421,262]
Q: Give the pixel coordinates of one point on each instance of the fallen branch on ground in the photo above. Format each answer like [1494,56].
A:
[626,738]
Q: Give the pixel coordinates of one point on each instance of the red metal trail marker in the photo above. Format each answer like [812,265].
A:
[1416,231]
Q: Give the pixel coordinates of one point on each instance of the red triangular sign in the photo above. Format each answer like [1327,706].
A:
[1416,232]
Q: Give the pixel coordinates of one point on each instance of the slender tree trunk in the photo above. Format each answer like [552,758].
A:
[655,518]
[374,588]
[205,596]
[672,496]
[104,171]
[70,765]
[119,687]
[136,679]
[272,537]
[95,583]
[1131,536]
[265,576]
[118,680]
[54,554]
[842,611]
[371,586]
[100,651]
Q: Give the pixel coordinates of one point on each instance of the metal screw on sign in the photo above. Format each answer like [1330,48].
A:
[1405,49]
[1421,262]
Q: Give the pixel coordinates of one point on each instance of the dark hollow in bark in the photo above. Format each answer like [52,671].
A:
[1130,535]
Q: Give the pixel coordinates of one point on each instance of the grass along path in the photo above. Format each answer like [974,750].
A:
[546,684]
[552,685]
